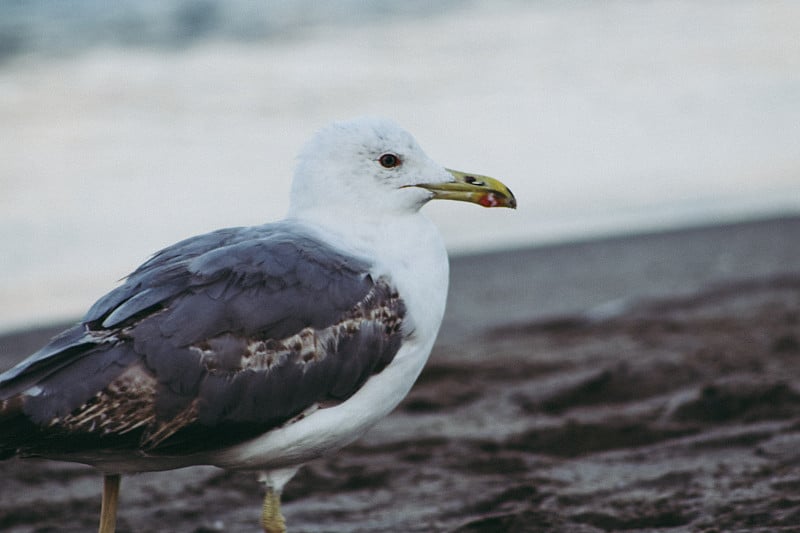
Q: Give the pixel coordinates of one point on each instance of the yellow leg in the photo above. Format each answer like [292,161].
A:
[108,509]
[271,518]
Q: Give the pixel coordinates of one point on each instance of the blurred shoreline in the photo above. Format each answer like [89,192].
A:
[607,275]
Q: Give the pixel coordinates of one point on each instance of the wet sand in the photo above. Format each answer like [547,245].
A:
[646,383]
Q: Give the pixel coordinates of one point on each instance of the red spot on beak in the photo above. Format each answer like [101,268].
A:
[489,200]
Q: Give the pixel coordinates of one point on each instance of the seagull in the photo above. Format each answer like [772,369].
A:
[256,348]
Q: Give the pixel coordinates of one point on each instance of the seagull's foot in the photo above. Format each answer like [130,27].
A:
[271,518]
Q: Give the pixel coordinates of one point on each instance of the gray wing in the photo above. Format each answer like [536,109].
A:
[214,340]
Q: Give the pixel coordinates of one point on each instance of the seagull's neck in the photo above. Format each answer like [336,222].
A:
[405,247]
[372,234]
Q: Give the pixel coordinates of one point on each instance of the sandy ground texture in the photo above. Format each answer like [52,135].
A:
[656,389]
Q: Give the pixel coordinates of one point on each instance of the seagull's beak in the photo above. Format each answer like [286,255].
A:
[474,188]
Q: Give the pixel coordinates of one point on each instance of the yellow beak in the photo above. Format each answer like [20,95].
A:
[474,188]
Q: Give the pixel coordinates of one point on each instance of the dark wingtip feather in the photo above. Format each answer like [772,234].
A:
[68,340]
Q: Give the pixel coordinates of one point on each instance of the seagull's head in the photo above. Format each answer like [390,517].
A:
[372,165]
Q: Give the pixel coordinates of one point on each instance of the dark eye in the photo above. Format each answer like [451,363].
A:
[389,161]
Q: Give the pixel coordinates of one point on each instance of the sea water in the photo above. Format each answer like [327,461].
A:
[126,126]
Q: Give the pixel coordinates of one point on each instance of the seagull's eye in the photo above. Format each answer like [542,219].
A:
[389,161]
